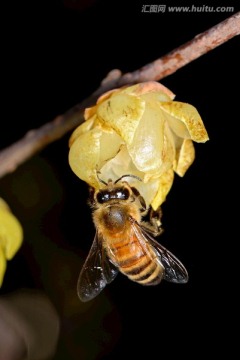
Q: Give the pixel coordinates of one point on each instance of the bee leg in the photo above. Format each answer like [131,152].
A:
[154,225]
[155,220]
[143,206]
[91,201]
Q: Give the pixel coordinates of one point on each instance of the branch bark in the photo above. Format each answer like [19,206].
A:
[35,140]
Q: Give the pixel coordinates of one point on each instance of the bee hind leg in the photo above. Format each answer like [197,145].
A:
[154,225]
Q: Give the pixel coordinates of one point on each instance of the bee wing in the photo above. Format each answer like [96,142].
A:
[96,272]
[174,271]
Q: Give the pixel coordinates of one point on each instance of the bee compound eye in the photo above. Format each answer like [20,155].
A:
[125,194]
[102,197]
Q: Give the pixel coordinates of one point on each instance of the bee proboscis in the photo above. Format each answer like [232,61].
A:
[123,242]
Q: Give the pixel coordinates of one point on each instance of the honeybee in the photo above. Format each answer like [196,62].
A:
[125,243]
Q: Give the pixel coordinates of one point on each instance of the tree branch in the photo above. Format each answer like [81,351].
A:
[35,140]
[186,53]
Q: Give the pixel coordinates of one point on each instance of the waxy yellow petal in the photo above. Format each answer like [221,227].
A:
[122,113]
[168,151]
[11,236]
[89,112]
[147,145]
[110,144]
[90,151]
[149,87]
[165,184]
[81,129]
[147,190]
[119,165]
[3,265]
[84,156]
[11,233]
[185,157]
[4,205]
[156,97]
[107,95]
[185,121]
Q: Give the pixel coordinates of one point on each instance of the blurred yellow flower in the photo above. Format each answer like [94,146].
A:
[137,130]
[11,236]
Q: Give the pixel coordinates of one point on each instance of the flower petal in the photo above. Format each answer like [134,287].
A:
[4,205]
[91,150]
[185,121]
[146,150]
[89,112]
[11,233]
[149,87]
[107,95]
[120,165]
[81,129]
[110,144]
[3,265]
[185,157]
[168,151]
[84,156]
[155,97]
[147,190]
[122,112]
[165,184]
[168,155]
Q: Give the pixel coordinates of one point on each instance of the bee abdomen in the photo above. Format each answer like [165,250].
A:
[149,273]
[137,264]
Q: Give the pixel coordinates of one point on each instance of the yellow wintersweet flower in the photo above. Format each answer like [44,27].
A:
[11,236]
[137,130]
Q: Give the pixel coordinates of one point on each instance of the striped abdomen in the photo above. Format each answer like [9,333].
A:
[137,263]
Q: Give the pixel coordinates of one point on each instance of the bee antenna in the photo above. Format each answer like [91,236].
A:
[128,175]
[102,181]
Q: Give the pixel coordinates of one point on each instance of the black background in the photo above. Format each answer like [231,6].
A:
[54,55]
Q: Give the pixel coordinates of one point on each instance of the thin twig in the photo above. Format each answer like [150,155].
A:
[186,53]
[35,140]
